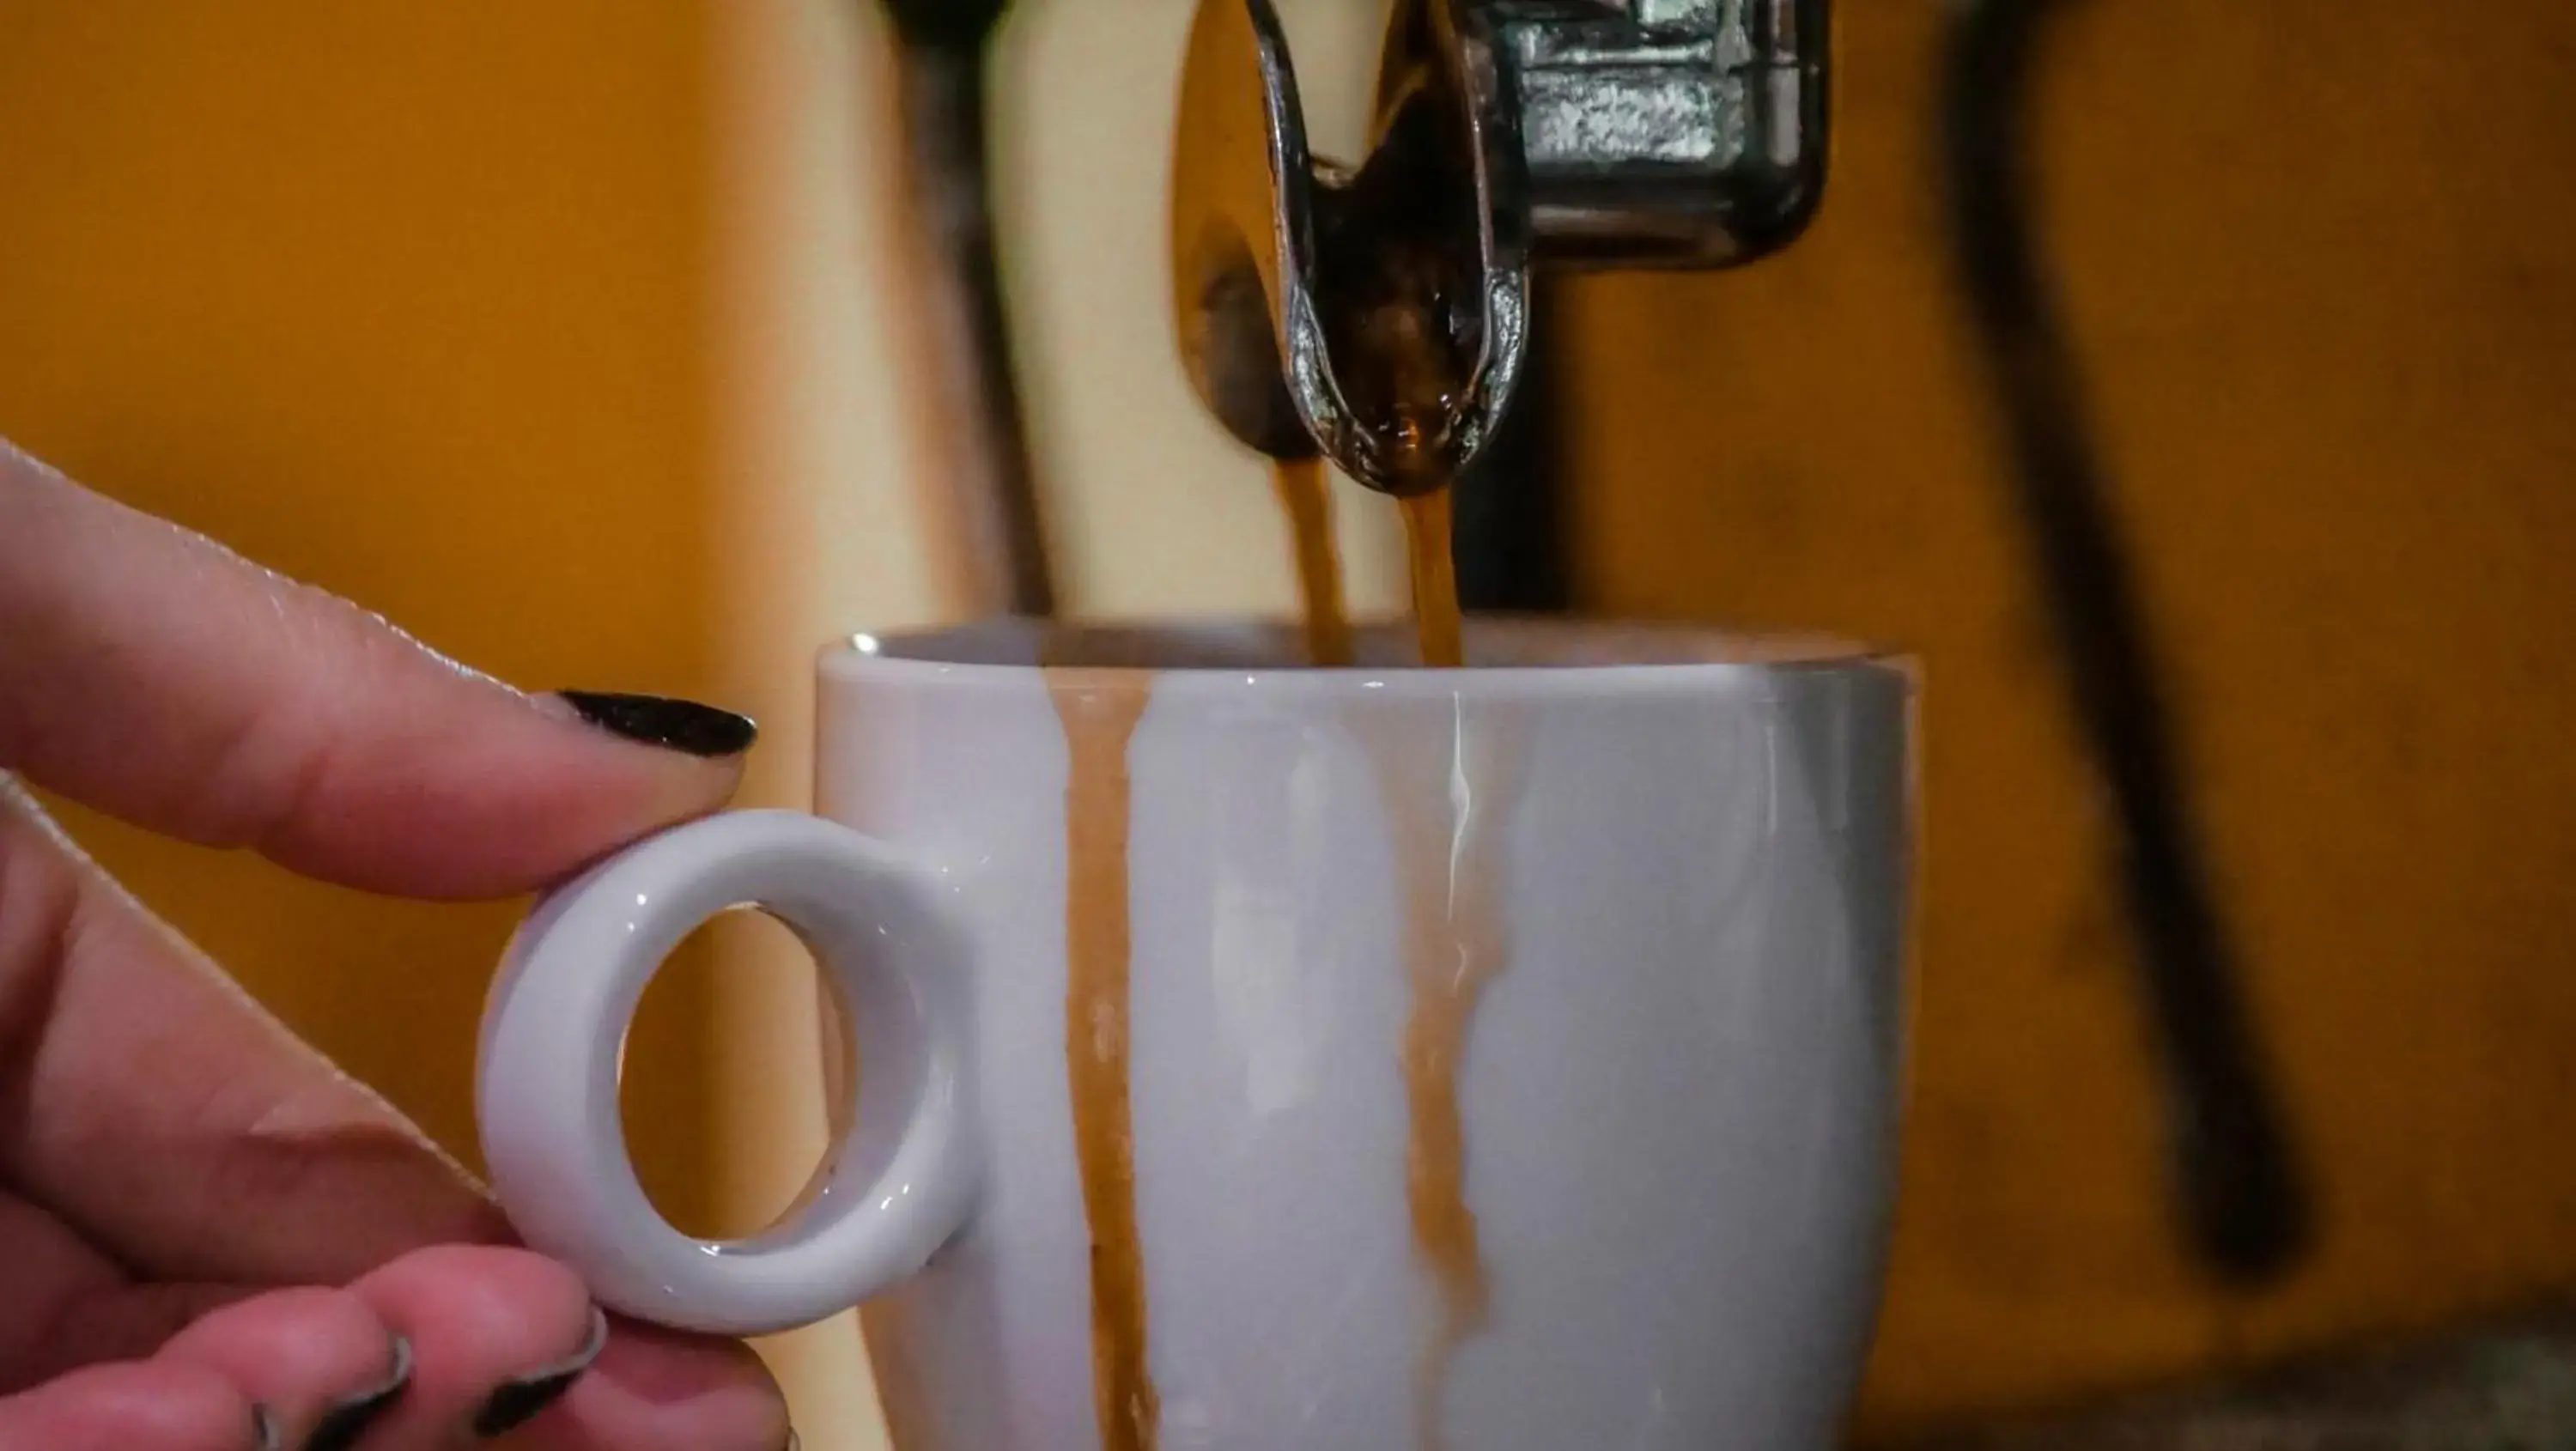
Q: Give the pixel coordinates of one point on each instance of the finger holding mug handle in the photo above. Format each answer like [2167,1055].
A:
[896,1186]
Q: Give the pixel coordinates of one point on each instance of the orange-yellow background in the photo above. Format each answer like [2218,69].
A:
[558,332]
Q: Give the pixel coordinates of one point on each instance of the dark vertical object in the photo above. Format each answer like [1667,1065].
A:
[1514,555]
[944,78]
[2246,1210]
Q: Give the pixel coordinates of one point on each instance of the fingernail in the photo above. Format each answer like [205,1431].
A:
[677,725]
[264,1434]
[350,1416]
[517,1402]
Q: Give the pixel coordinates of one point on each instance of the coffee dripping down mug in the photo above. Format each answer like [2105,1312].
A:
[1271,1058]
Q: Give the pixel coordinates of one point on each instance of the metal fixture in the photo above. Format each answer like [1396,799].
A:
[1379,313]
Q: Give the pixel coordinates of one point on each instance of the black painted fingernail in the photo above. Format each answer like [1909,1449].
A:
[679,725]
[517,1402]
[350,1416]
[264,1434]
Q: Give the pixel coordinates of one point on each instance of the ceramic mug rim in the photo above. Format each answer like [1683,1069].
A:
[1232,653]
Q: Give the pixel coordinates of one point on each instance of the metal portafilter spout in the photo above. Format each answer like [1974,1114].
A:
[1379,314]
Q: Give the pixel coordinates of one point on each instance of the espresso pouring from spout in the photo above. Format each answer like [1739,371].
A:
[1379,314]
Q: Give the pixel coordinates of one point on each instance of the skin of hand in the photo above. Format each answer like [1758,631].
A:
[210,1238]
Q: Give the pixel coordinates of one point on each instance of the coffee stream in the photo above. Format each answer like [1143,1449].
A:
[1436,620]
[1446,843]
[1306,498]
[1305,494]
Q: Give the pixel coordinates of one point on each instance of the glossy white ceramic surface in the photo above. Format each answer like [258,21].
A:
[555,1028]
[1679,1095]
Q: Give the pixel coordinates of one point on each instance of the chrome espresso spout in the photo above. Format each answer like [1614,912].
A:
[1379,313]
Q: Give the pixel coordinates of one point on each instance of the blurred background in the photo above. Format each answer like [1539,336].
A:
[569,334]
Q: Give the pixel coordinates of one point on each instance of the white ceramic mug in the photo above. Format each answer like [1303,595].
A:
[1678,872]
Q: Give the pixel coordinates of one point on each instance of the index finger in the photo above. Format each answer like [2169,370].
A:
[149,673]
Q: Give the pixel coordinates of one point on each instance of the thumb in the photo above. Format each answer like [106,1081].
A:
[150,674]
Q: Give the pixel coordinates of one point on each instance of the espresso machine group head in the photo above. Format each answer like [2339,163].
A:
[1379,313]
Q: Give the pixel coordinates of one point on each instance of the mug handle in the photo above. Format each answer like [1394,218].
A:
[893,1189]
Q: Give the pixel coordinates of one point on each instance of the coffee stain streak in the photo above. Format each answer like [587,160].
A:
[1450,798]
[1100,711]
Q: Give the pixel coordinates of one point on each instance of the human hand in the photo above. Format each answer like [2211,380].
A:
[210,1238]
